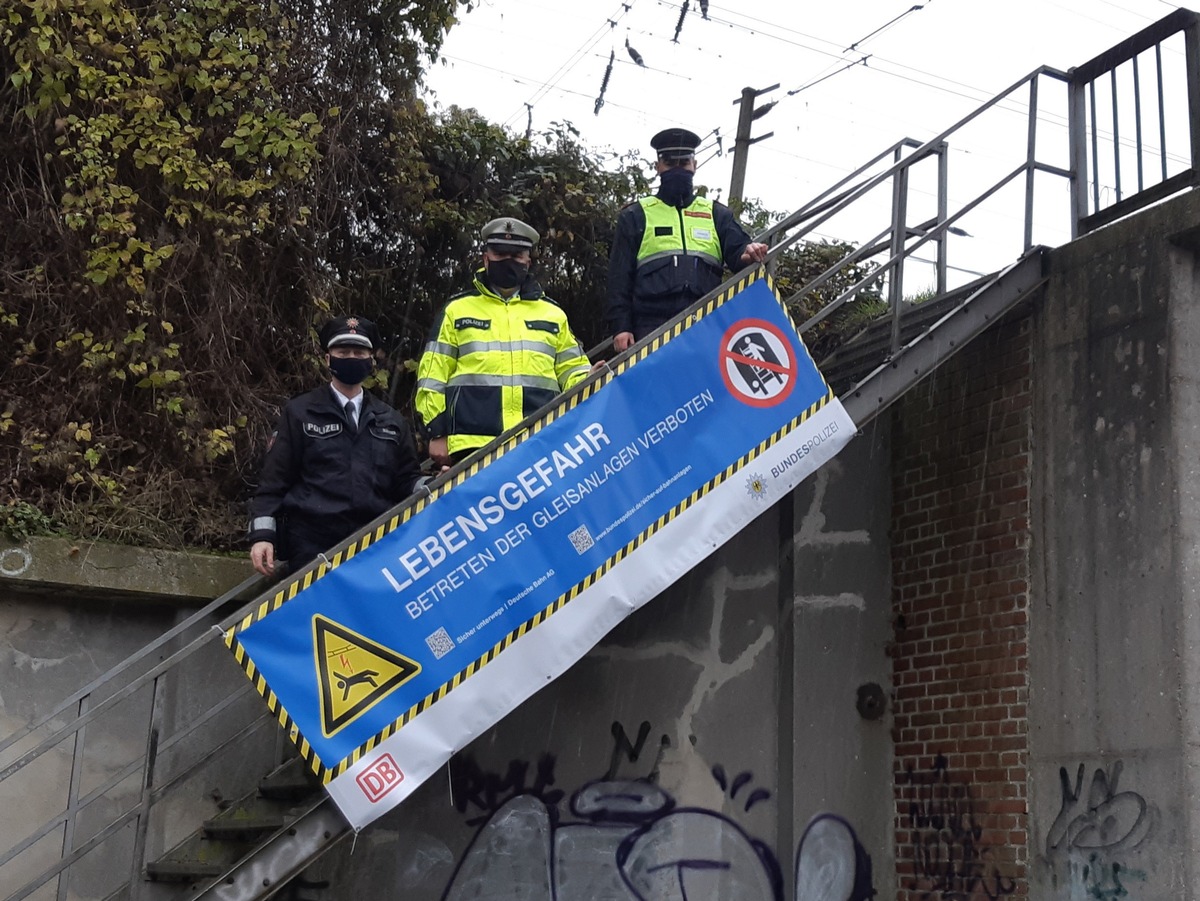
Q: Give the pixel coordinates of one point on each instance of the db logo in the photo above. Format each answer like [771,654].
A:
[379,778]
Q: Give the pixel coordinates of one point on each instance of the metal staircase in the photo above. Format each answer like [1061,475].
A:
[125,832]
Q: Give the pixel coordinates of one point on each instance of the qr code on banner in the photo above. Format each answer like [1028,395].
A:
[440,643]
[582,539]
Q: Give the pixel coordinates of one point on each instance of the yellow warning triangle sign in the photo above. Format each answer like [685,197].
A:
[353,672]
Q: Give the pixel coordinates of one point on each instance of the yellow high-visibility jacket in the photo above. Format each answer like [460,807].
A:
[490,362]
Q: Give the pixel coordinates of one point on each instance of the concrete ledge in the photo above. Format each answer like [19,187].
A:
[59,568]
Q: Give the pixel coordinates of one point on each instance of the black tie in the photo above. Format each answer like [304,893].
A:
[350,417]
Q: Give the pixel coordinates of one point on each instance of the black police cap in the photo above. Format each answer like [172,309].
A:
[349,331]
[675,143]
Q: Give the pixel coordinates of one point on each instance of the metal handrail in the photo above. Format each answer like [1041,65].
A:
[1084,113]
[149,650]
[131,670]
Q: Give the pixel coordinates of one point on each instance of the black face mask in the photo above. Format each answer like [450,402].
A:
[350,370]
[507,273]
[675,186]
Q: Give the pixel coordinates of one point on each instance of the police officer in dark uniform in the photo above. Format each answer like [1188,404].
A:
[339,458]
[671,249]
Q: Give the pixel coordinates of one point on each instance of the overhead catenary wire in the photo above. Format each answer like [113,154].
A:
[772,31]
[884,27]
[590,42]
[813,84]
[776,32]
[750,25]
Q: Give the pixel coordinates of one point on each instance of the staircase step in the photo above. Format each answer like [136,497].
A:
[871,347]
[290,781]
[228,837]
[245,822]
[196,857]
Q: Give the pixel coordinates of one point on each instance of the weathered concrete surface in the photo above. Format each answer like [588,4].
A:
[58,635]
[710,726]
[1113,647]
[842,744]
[90,570]
[714,724]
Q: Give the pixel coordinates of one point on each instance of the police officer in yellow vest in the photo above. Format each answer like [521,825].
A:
[670,249]
[498,352]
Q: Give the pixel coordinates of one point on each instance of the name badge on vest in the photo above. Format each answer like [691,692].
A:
[541,325]
[469,322]
[661,231]
[386,432]
[328,430]
[702,234]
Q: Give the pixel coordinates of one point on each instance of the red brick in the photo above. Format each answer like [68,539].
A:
[961,491]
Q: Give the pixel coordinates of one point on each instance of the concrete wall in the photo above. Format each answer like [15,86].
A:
[68,613]
[710,726]
[713,725]
[1113,716]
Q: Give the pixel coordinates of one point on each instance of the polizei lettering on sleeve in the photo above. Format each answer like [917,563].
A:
[486,515]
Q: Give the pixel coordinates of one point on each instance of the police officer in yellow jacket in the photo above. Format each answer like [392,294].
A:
[670,249]
[498,352]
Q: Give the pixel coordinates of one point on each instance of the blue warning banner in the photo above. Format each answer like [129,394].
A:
[522,564]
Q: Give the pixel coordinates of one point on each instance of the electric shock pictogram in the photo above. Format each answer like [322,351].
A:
[353,672]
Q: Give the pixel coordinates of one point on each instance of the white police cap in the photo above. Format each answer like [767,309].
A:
[509,234]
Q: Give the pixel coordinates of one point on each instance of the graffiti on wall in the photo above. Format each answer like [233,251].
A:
[1103,819]
[624,838]
[831,865]
[952,862]
[1095,831]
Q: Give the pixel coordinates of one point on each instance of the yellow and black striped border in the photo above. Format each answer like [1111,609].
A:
[327,773]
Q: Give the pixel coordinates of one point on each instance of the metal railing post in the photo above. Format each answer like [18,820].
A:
[899,235]
[1162,110]
[72,811]
[1030,161]
[1137,123]
[1116,139]
[1077,154]
[943,210]
[1095,172]
[1191,44]
[142,820]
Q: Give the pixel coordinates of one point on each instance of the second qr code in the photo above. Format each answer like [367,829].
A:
[440,643]
[582,539]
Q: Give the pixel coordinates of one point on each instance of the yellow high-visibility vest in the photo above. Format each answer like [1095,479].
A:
[491,363]
[674,232]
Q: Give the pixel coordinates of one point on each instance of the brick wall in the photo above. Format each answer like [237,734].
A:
[960,567]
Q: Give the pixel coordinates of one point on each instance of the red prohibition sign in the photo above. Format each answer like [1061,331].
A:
[757,363]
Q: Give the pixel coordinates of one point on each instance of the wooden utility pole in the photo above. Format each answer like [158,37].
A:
[741,144]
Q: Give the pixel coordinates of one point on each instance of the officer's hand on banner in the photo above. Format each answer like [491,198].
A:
[439,451]
[262,555]
[754,253]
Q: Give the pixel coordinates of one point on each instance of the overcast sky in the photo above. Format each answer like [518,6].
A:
[926,65]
